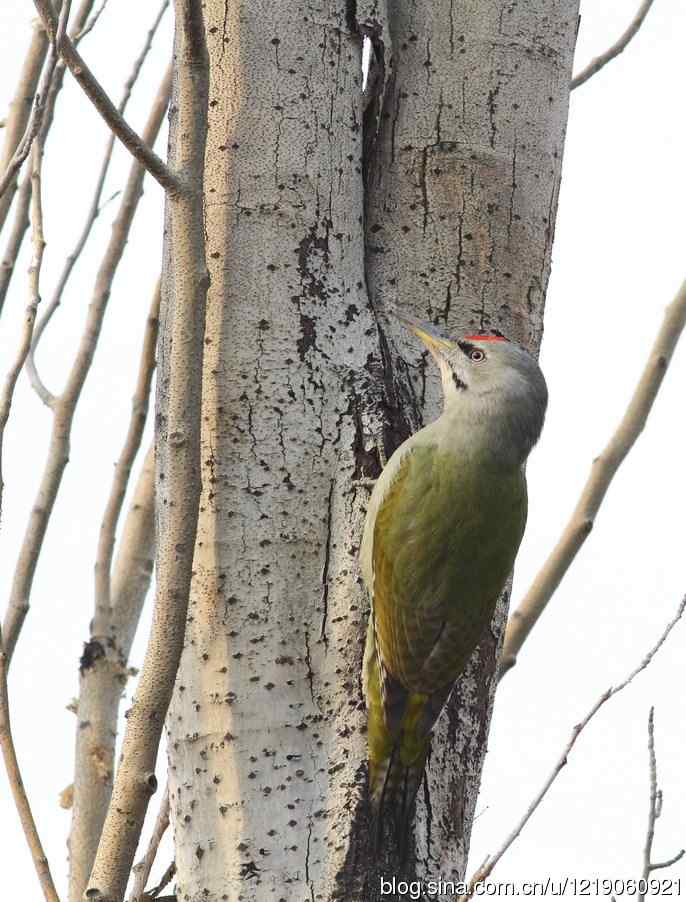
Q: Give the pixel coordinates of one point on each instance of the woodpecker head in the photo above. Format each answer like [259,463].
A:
[490,380]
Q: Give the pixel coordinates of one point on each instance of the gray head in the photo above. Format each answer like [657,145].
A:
[489,381]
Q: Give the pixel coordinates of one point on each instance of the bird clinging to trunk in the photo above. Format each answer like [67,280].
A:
[444,524]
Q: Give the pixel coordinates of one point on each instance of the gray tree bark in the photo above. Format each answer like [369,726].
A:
[439,194]
[462,191]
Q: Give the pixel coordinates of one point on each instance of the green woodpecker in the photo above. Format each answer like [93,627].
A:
[444,524]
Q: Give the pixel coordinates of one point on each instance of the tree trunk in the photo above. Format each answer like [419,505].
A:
[462,188]
[304,395]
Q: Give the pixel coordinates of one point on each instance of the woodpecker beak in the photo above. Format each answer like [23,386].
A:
[432,339]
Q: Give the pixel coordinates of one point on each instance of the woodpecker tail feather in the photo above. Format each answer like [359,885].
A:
[399,725]
[396,769]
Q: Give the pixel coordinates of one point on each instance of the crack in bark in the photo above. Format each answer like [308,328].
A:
[429,810]
[307,861]
[460,252]
[427,61]
[310,672]
[425,192]
[325,567]
[514,187]
[448,302]
[439,113]
[492,108]
[224,38]
[394,126]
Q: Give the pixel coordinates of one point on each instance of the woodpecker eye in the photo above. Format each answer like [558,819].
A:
[476,355]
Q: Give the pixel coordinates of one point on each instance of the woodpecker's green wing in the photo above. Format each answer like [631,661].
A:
[445,538]
[440,541]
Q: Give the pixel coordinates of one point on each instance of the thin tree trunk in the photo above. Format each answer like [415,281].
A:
[304,395]
[102,679]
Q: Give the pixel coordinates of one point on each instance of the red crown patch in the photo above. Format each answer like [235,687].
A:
[485,338]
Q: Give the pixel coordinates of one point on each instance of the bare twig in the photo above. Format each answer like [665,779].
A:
[653,807]
[598,62]
[179,455]
[93,212]
[139,148]
[91,23]
[139,413]
[133,565]
[36,117]
[21,799]
[6,741]
[38,241]
[21,219]
[654,811]
[20,110]
[487,867]
[604,467]
[142,56]
[77,31]
[16,237]
[142,870]
[656,866]
[65,406]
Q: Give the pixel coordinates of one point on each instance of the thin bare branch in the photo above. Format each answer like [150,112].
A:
[133,565]
[6,741]
[21,799]
[604,467]
[38,241]
[20,110]
[65,406]
[104,671]
[76,32]
[16,237]
[139,148]
[104,665]
[93,212]
[91,23]
[654,811]
[142,870]
[139,413]
[179,453]
[598,62]
[656,866]
[24,148]
[102,678]
[39,104]
[21,219]
[487,867]
[142,56]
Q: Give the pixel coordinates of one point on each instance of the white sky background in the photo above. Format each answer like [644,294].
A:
[618,259]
